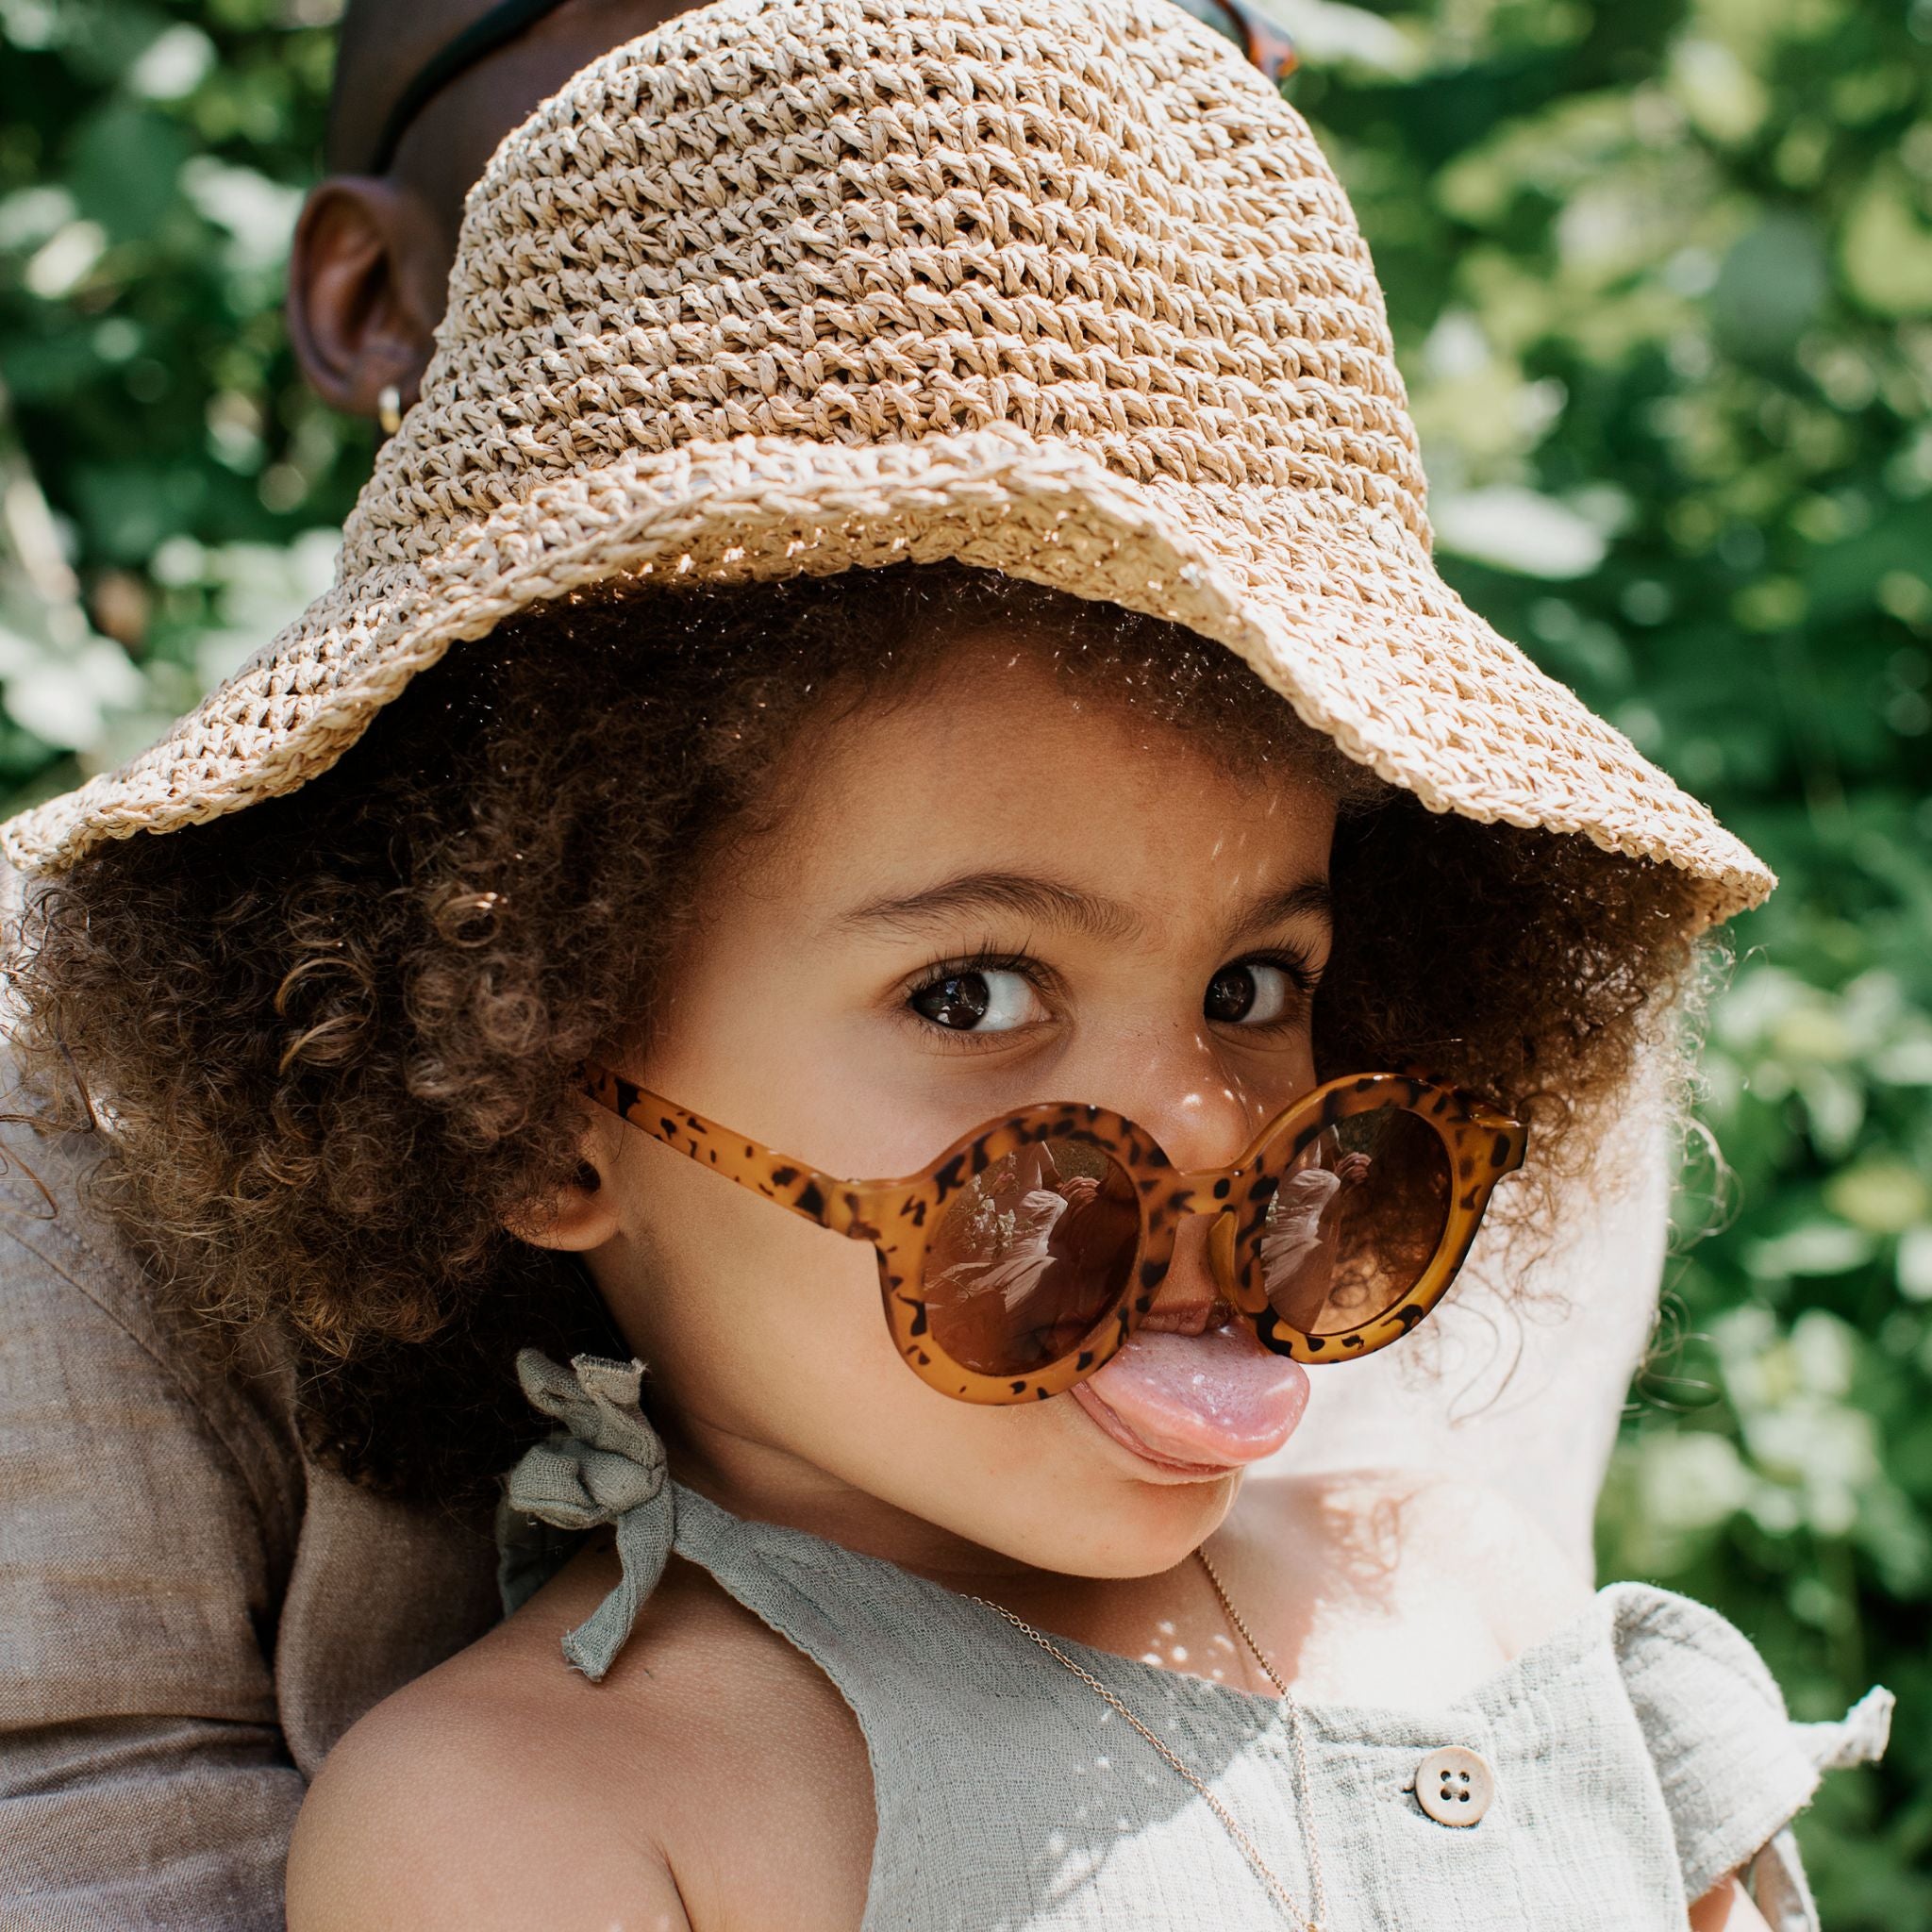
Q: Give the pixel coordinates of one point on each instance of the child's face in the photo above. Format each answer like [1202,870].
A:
[991,896]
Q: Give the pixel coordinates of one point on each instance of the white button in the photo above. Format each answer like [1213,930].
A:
[1455,1786]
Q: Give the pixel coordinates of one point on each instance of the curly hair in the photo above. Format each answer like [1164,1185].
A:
[333,1037]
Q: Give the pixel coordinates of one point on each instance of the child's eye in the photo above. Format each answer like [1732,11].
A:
[988,999]
[1255,993]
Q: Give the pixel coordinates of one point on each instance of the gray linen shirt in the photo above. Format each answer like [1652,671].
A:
[1626,1762]
[194,1612]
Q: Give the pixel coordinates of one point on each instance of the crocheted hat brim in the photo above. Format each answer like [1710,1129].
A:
[1339,609]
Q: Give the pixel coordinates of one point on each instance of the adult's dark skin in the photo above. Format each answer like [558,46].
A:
[370,268]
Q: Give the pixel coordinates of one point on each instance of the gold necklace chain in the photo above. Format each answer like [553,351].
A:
[1297,1732]
[1298,1736]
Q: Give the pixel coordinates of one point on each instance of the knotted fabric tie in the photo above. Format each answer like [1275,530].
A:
[605,1465]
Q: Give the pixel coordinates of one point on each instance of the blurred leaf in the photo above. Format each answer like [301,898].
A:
[1820,1248]
[1519,530]
[1771,287]
[1888,249]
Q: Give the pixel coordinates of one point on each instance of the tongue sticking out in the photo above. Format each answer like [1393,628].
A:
[1213,1399]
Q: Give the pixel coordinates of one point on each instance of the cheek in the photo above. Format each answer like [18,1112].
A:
[1297,1069]
[730,1301]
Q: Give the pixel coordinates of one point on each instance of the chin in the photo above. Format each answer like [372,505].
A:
[1121,1526]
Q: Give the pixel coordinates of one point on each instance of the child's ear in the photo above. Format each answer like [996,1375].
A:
[581,1214]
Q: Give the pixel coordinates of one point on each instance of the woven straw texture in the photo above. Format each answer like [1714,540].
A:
[1058,287]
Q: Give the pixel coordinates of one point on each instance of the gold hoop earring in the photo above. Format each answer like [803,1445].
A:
[388,409]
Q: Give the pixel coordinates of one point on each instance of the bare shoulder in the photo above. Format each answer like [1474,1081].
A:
[480,1797]
[714,1776]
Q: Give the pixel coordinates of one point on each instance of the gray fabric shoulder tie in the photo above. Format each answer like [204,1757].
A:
[605,1465]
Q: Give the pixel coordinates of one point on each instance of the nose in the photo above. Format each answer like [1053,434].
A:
[1183,1093]
[1200,1275]
[1188,1100]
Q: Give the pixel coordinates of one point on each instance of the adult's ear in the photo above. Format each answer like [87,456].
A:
[367,278]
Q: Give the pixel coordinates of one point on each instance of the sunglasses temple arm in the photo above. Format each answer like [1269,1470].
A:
[1511,1133]
[820,1198]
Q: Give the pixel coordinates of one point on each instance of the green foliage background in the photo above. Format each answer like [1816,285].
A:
[1662,279]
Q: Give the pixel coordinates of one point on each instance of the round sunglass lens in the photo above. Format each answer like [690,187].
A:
[1357,1220]
[1029,1255]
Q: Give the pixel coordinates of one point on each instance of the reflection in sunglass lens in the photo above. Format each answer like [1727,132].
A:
[1356,1220]
[1029,1255]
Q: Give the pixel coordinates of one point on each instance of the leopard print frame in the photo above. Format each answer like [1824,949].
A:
[895,1216]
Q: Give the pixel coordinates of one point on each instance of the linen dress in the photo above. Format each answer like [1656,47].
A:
[1623,1765]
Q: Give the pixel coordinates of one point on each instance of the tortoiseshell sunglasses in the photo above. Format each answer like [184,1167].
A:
[1022,1259]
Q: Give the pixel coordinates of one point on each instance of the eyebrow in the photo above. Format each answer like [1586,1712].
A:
[1311,899]
[1051,902]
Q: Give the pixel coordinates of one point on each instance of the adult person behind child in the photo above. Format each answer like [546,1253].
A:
[197,1605]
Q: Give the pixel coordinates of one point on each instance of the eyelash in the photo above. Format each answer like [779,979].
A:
[1302,975]
[986,959]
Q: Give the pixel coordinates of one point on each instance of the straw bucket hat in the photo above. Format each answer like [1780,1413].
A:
[1062,287]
